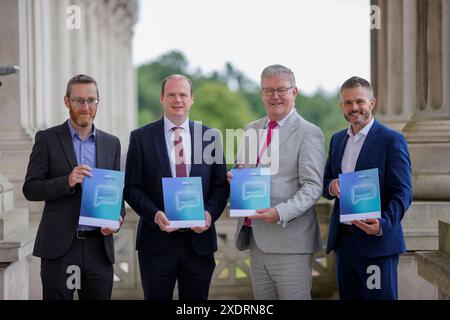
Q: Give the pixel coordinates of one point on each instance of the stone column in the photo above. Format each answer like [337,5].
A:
[15,142]
[428,131]
[394,62]
[410,71]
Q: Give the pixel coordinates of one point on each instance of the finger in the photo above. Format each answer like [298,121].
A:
[262,210]
[371,221]
[85,172]
[85,167]
[361,225]
[169,229]
[162,217]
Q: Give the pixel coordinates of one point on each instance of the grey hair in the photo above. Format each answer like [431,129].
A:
[355,82]
[278,69]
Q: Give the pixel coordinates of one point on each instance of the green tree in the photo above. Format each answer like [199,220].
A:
[150,77]
[323,110]
[218,107]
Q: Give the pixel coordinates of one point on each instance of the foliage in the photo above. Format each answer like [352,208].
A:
[227,99]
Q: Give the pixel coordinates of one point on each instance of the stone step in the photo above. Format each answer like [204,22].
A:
[18,246]
[420,224]
[12,222]
[434,266]
[444,237]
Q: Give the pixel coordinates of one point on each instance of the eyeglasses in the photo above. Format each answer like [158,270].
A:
[79,102]
[280,91]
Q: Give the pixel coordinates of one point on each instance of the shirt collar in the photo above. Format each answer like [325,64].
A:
[74,133]
[363,132]
[281,122]
[168,125]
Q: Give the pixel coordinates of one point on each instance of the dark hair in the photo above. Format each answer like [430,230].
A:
[80,78]
[176,76]
[355,82]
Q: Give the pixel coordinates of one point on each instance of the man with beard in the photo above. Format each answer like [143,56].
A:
[367,251]
[61,158]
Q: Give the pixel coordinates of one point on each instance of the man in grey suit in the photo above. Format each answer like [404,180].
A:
[283,238]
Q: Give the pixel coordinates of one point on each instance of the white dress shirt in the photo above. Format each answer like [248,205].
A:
[186,140]
[353,148]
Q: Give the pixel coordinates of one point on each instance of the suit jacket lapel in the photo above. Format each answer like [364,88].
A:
[195,168]
[284,132]
[66,142]
[368,143]
[161,148]
[287,130]
[101,149]
[340,152]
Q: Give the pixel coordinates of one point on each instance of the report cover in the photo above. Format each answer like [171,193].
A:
[250,191]
[183,202]
[101,201]
[360,195]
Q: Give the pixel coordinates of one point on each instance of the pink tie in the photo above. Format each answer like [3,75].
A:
[180,164]
[272,125]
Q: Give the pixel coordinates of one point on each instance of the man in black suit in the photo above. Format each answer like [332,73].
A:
[72,256]
[169,148]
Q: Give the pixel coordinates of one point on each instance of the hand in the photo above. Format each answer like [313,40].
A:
[334,188]
[230,175]
[369,226]
[269,215]
[207,223]
[162,221]
[106,231]
[77,175]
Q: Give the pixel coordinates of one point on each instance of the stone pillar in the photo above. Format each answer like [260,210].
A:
[15,142]
[428,131]
[410,71]
[394,62]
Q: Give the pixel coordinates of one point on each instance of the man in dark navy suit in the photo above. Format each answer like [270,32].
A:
[173,147]
[367,251]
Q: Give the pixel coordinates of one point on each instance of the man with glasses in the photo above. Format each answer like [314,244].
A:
[72,256]
[283,238]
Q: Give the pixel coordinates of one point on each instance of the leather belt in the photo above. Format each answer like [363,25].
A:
[88,234]
[345,228]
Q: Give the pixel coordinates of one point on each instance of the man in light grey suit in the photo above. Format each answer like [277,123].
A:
[283,238]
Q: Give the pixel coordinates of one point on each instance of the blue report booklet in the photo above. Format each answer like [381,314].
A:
[250,191]
[101,201]
[360,195]
[183,202]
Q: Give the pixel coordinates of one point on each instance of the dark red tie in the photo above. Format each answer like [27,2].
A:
[272,125]
[180,164]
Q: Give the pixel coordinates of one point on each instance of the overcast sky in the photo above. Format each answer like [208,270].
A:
[323,41]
